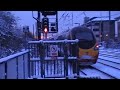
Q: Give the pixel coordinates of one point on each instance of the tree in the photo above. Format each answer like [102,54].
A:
[10,39]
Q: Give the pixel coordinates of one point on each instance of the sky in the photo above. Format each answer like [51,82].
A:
[72,17]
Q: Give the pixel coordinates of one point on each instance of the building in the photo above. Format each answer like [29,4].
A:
[118,31]
[117,28]
[103,29]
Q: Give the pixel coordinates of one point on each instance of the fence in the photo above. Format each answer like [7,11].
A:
[14,66]
[61,65]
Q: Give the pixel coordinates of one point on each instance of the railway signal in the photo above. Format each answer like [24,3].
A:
[45,30]
[45,24]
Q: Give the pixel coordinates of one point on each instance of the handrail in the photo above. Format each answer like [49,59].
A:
[15,66]
[56,41]
[12,56]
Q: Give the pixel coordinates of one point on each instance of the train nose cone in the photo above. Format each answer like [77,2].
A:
[86,53]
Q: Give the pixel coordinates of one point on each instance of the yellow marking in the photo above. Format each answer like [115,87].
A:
[90,52]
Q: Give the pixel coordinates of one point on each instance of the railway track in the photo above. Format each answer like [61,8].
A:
[104,68]
[108,70]
[93,72]
[110,55]
[108,66]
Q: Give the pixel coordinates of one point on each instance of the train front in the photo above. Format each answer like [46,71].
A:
[88,47]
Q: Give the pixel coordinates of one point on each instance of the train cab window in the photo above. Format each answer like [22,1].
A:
[86,40]
[84,35]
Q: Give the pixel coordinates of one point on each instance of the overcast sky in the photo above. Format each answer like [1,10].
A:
[64,23]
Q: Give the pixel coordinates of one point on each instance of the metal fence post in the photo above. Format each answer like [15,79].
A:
[42,58]
[23,67]
[65,60]
[5,70]
[29,61]
[77,55]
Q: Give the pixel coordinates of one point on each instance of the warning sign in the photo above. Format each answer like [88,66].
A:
[53,50]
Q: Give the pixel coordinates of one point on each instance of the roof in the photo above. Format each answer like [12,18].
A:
[102,20]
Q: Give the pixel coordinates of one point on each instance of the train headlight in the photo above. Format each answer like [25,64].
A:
[96,47]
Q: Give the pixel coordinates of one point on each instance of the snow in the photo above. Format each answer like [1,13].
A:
[55,41]
[94,73]
[50,72]
[90,72]
[109,70]
[116,65]
[49,58]
[110,59]
[13,56]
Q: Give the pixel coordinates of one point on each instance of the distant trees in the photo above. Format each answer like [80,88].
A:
[12,38]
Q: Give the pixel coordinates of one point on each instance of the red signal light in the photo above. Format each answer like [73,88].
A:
[45,30]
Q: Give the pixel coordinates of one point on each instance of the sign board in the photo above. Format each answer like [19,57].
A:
[53,50]
[53,24]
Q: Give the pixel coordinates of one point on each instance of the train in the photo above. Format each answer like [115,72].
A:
[88,45]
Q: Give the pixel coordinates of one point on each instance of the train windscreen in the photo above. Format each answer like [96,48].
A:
[86,40]
[85,36]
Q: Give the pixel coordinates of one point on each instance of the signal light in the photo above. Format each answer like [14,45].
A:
[45,24]
[45,30]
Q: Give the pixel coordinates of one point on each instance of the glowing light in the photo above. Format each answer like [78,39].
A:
[45,30]
[106,35]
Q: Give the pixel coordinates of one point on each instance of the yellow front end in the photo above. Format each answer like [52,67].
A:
[88,56]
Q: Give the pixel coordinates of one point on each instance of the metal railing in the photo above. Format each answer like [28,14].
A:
[15,66]
[43,65]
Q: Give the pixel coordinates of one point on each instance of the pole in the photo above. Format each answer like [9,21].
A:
[101,35]
[109,24]
[109,29]
[39,27]
[33,31]
[57,21]
[72,18]
[46,36]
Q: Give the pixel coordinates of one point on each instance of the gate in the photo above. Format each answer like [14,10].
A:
[53,59]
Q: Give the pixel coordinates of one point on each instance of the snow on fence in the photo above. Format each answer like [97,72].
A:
[14,66]
[43,65]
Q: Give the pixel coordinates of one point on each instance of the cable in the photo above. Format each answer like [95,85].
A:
[62,15]
[108,16]
[84,13]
